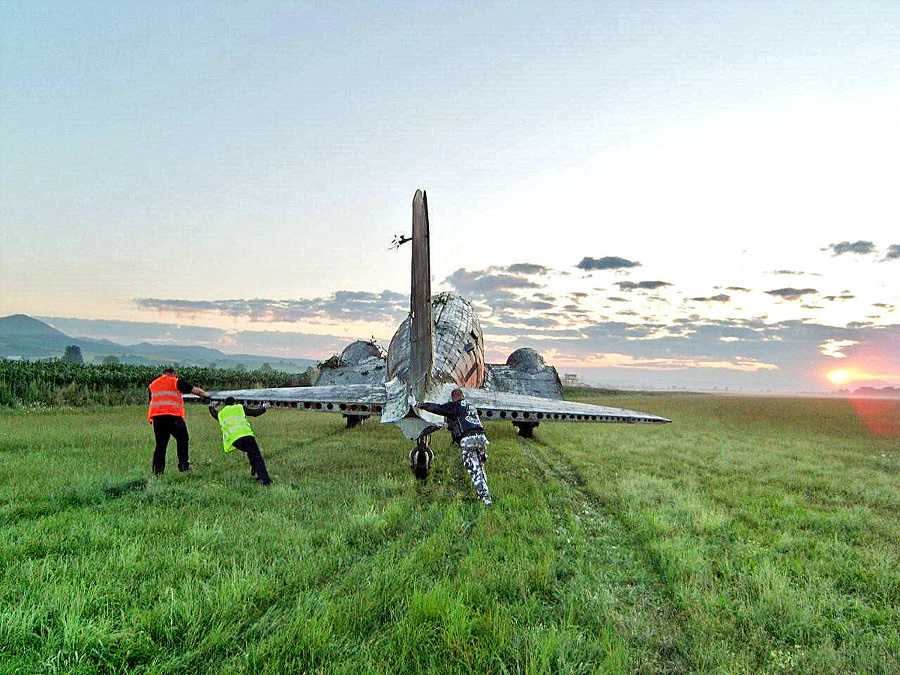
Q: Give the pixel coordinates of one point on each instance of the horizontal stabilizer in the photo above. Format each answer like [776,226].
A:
[494,405]
[357,399]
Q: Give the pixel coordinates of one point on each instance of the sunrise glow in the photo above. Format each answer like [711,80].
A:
[849,375]
[839,376]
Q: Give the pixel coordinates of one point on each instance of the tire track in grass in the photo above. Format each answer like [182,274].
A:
[654,518]
[745,611]
[610,564]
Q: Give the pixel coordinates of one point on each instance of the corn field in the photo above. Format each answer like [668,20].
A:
[58,383]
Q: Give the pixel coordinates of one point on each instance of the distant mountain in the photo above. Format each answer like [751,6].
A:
[24,337]
[22,324]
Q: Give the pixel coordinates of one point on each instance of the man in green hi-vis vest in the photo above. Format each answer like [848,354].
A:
[236,433]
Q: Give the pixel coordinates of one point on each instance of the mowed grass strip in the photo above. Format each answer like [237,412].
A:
[752,535]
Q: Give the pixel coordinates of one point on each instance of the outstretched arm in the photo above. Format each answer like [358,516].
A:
[444,409]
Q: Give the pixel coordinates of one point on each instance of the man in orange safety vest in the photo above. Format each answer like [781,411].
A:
[166,414]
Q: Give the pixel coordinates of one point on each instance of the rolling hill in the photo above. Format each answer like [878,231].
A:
[24,337]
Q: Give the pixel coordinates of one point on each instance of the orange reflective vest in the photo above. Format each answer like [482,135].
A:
[165,399]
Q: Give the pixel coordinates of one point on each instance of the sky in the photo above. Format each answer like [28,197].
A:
[654,194]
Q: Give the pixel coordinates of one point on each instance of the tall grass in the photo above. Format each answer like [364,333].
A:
[54,382]
[752,535]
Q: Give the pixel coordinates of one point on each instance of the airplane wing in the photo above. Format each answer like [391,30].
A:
[348,399]
[496,405]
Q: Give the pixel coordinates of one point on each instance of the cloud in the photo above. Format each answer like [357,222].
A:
[791,293]
[385,307]
[858,247]
[832,347]
[794,273]
[616,360]
[615,298]
[738,288]
[721,297]
[645,285]
[845,296]
[284,344]
[528,268]
[534,321]
[133,332]
[606,263]
[893,252]
[731,350]
[483,283]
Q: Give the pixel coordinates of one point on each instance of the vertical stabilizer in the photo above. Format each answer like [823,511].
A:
[421,327]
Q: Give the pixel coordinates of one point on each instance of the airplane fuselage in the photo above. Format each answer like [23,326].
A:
[457,358]
[458,344]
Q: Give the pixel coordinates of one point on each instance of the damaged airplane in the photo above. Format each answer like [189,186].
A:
[438,347]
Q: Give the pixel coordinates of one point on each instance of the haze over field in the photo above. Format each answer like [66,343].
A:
[668,194]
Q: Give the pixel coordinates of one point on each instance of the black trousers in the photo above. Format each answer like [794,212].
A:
[163,427]
[248,445]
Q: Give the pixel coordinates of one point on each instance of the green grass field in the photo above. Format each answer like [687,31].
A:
[752,535]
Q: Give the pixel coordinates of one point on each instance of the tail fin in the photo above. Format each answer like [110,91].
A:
[421,328]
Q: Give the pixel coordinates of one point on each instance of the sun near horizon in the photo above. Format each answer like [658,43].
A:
[840,376]
[843,376]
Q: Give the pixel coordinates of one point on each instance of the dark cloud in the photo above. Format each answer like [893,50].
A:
[893,252]
[791,293]
[615,298]
[858,247]
[738,288]
[645,285]
[386,306]
[578,295]
[504,297]
[721,297]
[845,296]
[527,268]
[283,344]
[786,272]
[133,332]
[535,322]
[627,312]
[483,283]
[606,263]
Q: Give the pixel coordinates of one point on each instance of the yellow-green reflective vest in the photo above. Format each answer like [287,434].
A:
[234,425]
